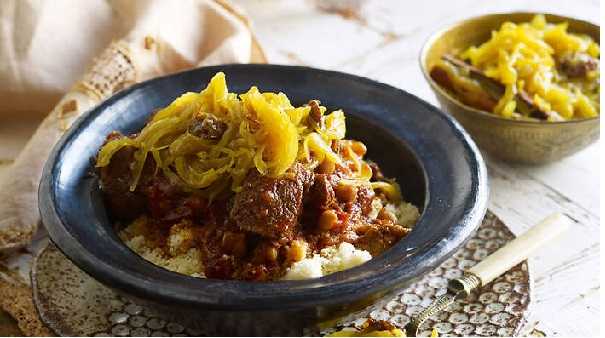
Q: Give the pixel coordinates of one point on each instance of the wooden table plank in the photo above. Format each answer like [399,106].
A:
[322,40]
[575,177]
[566,273]
[382,41]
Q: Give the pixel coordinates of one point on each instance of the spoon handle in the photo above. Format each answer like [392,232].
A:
[520,248]
[493,266]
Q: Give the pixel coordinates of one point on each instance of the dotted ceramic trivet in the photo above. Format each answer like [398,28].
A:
[73,304]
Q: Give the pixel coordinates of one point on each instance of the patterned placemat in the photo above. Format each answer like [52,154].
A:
[73,304]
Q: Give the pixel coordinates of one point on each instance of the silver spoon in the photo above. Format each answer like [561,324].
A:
[493,266]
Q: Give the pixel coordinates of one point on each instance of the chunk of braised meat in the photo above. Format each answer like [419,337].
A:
[355,204]
[229,253]
[115,179]
[379,236]
[207,126]
[377,174]
[329,195]
[163,199]
[489,91]
[577,64]
[166,201]
[321,195]
[365,196]
[220,266]
[271,206]
[376,325]
[314,118]
[328,224]
[476,98]
[269,260]
[221,246]
[323,239]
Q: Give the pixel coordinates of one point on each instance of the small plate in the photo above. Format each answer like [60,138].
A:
[73,304]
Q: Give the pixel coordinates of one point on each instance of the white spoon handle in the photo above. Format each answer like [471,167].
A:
[520,248]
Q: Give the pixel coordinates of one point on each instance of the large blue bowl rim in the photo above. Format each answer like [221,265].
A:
[398,266]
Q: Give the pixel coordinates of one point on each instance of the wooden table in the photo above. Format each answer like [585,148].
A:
[382,41]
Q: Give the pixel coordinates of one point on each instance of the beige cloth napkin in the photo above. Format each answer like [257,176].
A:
[46,48]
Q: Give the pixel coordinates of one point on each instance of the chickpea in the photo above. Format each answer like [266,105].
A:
[335,145]
[297,251]
[376,172]
[362,228]
[384,214]
[327,220]
[346,193]
[326,167]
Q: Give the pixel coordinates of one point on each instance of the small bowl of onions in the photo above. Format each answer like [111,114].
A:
[524,85]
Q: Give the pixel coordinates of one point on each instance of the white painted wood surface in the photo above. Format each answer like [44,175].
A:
[383,42]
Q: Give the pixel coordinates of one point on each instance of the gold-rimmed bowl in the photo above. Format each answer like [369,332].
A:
[519,141]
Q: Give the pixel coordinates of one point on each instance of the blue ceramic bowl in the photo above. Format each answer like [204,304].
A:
[431,156]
